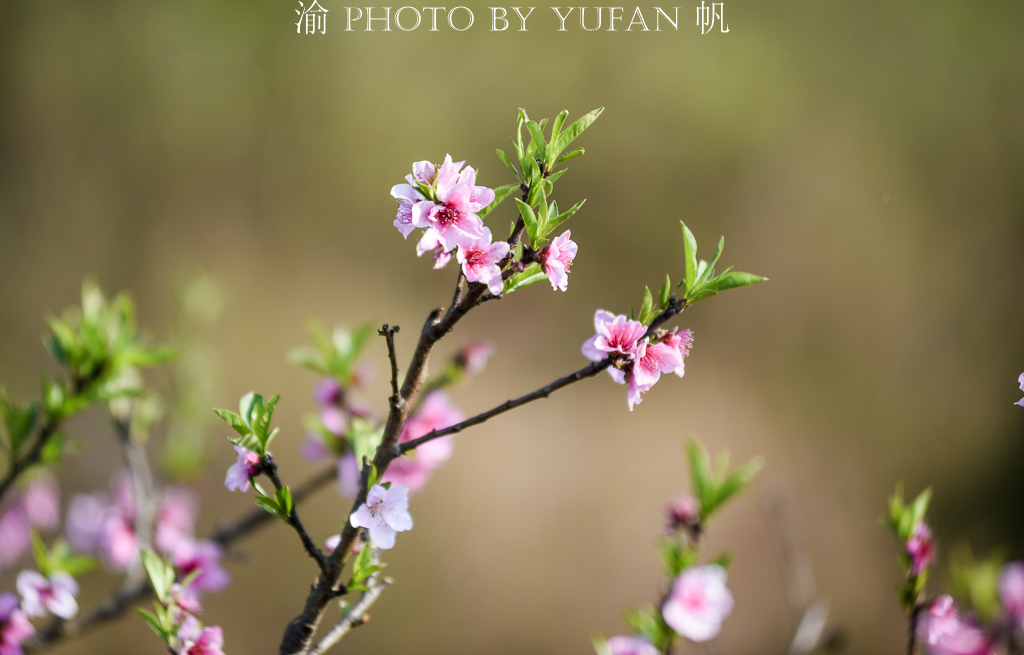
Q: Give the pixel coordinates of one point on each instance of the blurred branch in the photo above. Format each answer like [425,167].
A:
[145,496]
[117,604]
[33,456]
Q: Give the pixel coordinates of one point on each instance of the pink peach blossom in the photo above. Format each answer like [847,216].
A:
[431,242]
[204,556]
[615,335]
[41,501]
[120,545]
[1020,381]
[556,260]
[1011,591]
[480,259]
[453,216]
[194,640]
[423,172]
[681,341]
[327,391]
[698,603]
[15,535]
[14,625]
[684,510]
[56,594]
[348,475]
[176,519]
[407,196]
[385,512]
[239,473]
[85,521]
[621,645]
[921,548]
[473,357]
[413,470]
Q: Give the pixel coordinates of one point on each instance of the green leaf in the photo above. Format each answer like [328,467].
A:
[152,621]
[690,251]
[248,407]
[647,307]
[261,424]
[77,565]
[919,507]
[19,422]
[561,218]
[707,269]
[574,130]
[503,157]
[270,505]
[155,568]
[643,622]
[500,193]
[725,559]
[53,448]
[234,420]
[556,127]
[40,553]
[532,274]
[539,144]
[733,280]
[284,500]
[700,470]
[665,295]
[702,294]
[570,155]
[734,484]
[529,218]
[600,645]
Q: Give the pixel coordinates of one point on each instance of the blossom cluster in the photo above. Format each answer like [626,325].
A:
[946,630]
[640,359]
[445,201]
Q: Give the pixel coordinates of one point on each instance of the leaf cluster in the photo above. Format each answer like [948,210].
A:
[165,619]
[699,280]
[362,568]
[975,583]
[336,353]
[59,558]
[714,485]
[252,423]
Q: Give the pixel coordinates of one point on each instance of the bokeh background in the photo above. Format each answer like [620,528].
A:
[865,156]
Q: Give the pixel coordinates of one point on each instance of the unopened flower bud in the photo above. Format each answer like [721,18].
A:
[684,511]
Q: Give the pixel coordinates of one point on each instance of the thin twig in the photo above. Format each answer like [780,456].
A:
[587,371]
[269,467]
[33,456]
[457,296]
[389,336]
[357,615]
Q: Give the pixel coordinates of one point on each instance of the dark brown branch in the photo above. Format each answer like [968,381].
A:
[389,335]
[117,604]
[357,616]
[587,371]
[33,456]
[269,467]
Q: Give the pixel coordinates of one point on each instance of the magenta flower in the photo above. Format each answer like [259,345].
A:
[348,475]
[407,471]
[615,335]
[14,625]
[41,501]
[454,214]
[1011,591]
[430,242]
[480,259]
[327,391]
[194,640]
[653,359]
[239,473]
[184,598]
[407,196]
[56,594]
[423,172]
[698,603]
[15,535]
[921,548]
[556,260]
[684,510]
[1020,381]
[204,556]
[85,522]
[942,621]
[176,519]
[621,645]
[946,634]
[385,512]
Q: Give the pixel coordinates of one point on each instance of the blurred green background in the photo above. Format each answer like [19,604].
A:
[867,157]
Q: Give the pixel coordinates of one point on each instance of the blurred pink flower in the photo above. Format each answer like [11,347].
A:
[334,419]
[41,501]
[14,625]
[921,548]
[942,621]
[1020,381]
[684,510]
[313,449]
[85,522]
[473,357]
[945,634]
[348,476]
[480,259]
[327,391]
[621,645]
[15,535]
[385,512]
[413,470]
[176,519]
[204,556]
[557,258]
[120,545]
[195,641]
[698,603]
[332,542]
[184,598]
[237,478]
[56,594]
[1011,590]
